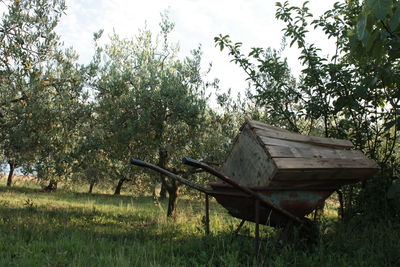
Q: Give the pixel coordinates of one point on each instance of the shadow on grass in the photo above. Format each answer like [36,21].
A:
[93,232]
[83,236]
[52,223]
[65,195]
[18,189]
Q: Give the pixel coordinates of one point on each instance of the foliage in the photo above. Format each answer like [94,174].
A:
[41,88]
[270,76]
[148,103]
[343,96]
[377,30]
[64,121]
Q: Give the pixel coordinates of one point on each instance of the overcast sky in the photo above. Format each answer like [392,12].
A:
[196,22]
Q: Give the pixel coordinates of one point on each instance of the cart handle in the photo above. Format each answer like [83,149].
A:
[184,181]
[198,164]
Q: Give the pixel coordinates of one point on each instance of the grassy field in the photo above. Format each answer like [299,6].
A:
[77,229]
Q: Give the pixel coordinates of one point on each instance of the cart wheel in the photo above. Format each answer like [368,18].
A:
[311,236]
[287,234]
[293,233]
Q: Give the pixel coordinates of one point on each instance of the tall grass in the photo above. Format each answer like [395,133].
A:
[76,229]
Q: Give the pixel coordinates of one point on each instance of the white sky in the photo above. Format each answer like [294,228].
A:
[196,22]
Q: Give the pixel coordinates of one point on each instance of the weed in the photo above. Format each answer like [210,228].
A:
[29,204]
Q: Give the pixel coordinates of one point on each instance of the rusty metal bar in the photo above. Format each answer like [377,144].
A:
[257,220]
[224,178]
[207,222]
[239,227]
[341,208]
[169,174]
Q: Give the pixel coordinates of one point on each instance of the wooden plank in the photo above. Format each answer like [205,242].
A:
[260,125]
[266,130]
[268,141]
[327,176]
[314,140]
[293,152]
[311,163]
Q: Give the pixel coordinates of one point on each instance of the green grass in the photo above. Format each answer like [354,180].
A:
[76,229]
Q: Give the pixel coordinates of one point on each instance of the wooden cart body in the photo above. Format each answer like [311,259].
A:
[263,155]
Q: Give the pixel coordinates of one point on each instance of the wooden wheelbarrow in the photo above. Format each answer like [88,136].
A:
[258,205]
[275,177]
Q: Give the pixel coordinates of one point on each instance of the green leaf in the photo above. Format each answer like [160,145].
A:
[395,43]
[394,22]
[361,29]
[394,191]
[360,92]
[379,8]
[372,40]
[372,82]
[378,51]
[390,124]
[341,102]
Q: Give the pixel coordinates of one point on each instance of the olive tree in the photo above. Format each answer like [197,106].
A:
[150,101]
[28,43]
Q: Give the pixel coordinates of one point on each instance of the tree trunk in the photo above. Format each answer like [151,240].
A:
[167,185]
[341,207]
[91,185]
[173,195]
[52,186]
[10,173]
[163,191]
[119,186]
[162,162]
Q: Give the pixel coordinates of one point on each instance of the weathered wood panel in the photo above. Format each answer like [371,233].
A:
[279,133]
[315,164]
[327,175]
[320,141]
[293,152]
[248,164]
[268,141]
[260,125]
